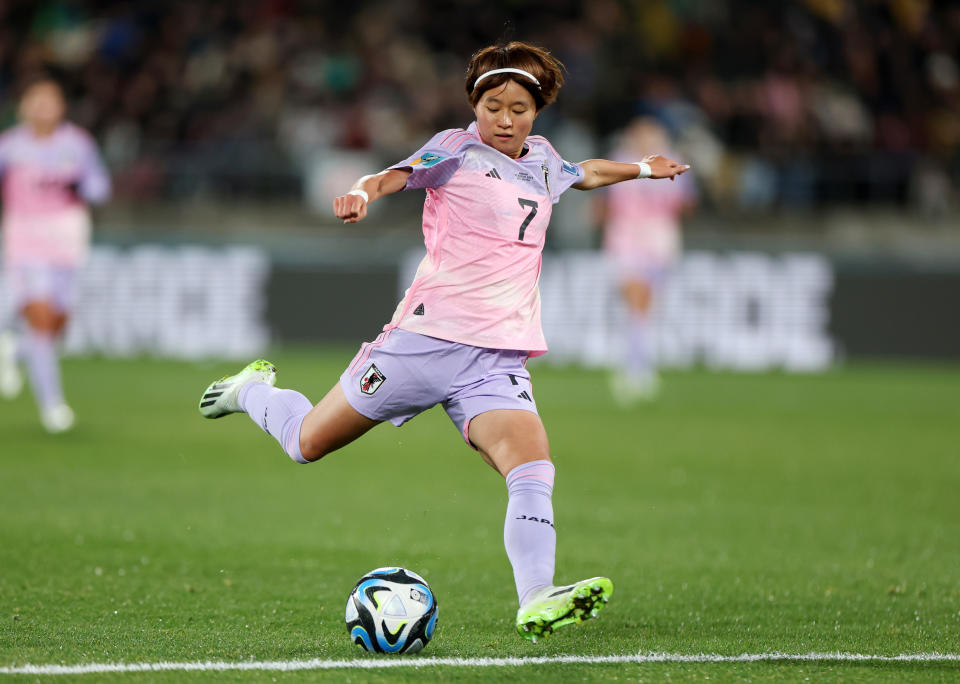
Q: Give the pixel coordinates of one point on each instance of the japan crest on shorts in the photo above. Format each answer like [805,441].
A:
[371,380]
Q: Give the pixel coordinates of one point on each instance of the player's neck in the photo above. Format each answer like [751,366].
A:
[44,130]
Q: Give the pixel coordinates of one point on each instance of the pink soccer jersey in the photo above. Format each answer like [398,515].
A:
[47,183]
[643,220]
[485,219]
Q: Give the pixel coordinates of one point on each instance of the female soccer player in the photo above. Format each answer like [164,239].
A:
[641,239]
[51,171]
[463,332]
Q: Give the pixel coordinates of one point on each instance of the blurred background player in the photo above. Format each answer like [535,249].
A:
[641,238]
[51,170]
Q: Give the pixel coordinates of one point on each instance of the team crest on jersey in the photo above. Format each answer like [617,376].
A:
[427,159]
[372,379]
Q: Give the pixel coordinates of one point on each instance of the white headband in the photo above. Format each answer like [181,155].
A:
[508,70]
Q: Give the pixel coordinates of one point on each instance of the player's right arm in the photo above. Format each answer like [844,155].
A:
[352,207]
[4,136]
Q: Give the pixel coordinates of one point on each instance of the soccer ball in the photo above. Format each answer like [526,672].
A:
[391,610]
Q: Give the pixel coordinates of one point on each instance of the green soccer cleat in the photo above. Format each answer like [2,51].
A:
[220,398]
[555,607]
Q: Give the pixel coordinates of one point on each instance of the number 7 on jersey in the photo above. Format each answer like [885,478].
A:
[533,212]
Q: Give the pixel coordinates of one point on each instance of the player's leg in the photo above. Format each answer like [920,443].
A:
[383,382]
[43,295]
[638,378]
[304,431]
[11,380]
[331,424]
[497,415]
[45,322]
[495,410]
[638,296]
[515,443]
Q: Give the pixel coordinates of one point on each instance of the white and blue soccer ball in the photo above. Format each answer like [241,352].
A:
[391,610]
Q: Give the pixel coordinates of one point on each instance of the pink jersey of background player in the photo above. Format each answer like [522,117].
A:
[642,231]
[47,183]
[479,286]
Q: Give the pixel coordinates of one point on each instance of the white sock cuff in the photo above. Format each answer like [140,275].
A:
[291,439]
[533,477]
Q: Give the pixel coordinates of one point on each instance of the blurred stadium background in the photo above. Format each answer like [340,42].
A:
[764,512]
[824,137]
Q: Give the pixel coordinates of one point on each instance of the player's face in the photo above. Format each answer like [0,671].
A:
[505,116]
[42,106]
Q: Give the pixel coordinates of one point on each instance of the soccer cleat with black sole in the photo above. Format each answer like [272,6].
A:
[554,607]
[221,397]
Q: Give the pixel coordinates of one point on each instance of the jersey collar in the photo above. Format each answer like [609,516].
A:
[472,128]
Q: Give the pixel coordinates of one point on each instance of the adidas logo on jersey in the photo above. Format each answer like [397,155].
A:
[419,311]
[492,173]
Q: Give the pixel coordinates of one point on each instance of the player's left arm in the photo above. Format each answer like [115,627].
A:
[600,172]
[94,185]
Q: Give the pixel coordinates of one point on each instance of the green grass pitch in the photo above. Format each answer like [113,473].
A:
[738,514]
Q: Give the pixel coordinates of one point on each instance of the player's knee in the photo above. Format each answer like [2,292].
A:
[315,444]
[41,319]
[59,324]
[507,455]
[312,449]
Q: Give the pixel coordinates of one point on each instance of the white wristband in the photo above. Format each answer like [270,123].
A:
[364,195]
[645,170]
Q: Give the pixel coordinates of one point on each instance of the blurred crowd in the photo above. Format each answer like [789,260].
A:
[794,104]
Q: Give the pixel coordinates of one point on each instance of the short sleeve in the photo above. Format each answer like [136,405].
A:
[563,173]
[435,163]
[569,174]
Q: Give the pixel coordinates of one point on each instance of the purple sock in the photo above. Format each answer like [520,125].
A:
[638,345]
[278,412]
[528,532]
[39,351]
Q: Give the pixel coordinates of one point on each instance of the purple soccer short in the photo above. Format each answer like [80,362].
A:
[402,373]
[42,282]
[650,272]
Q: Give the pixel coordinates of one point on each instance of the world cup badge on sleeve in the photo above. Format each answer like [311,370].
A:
[371,380]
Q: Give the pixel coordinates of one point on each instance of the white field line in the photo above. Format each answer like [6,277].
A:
[413,662]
